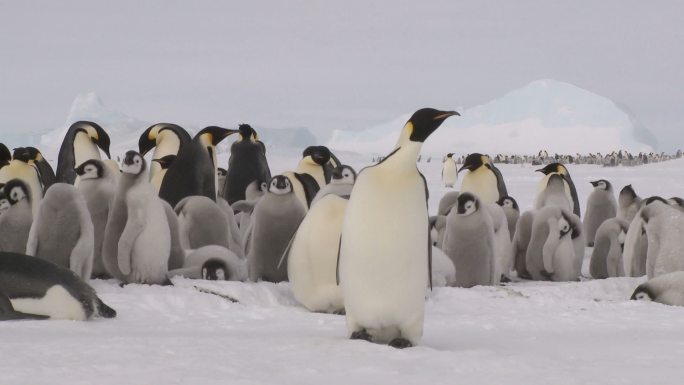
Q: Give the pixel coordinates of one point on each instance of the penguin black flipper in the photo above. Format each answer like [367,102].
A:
[310,186]
[500,184]
[7,312]
[573,193]
[46,174]
[429,242]
[330,166]
[337,266]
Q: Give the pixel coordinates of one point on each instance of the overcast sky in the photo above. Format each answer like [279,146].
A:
[321,64]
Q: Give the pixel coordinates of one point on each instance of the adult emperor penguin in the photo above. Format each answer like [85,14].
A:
[47,174]
[7,312]
[484,179]
[15,223]
[311,174]
[62,231]
[664,227]
[98,186]
[312,257]
[80,143]
[628,203]
[512,211]
[385,246]
[606,257]
[667,289]
[246,164]
[553,253]
[601,206]
[35,286]
[137,241]
[21,167]
[214,263]
[570,190]
[275,220]
[554,194]
[194,170]
[449,170]
[469,242]
[166,139]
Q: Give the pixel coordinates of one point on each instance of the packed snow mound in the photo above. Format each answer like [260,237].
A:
[543,115]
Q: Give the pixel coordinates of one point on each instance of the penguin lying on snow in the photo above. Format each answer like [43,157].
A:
[667,289]
[35,286]
[215,263]
[7,312]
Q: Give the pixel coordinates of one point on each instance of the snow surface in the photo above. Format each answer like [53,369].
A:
[524,333]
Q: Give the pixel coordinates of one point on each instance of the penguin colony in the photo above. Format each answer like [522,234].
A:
[358,244]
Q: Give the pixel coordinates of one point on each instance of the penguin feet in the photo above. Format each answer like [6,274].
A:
[400,343]
[361,335]
[524,275]
[547,275]
[339,312]
[504,279]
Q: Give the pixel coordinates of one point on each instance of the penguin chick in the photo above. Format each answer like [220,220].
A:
[341,183]
[606,258]
[628,203]
[667,289]
[601,206]
[15,223]
[664,226]
[512,211]
[214,263]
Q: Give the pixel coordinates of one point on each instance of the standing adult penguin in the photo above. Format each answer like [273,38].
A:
[274,221]
[510,207]
[628,203]
[601,206]
[246,164]
[554,194]
[98,186]
[194,170]
[137,241]
[570,190]
[47,174]
[606,258]
[62,231]
[15,223]
[484,179]
[166,139]
[80,143]
[385,236]
[449,170]
[21,167]
[311,174]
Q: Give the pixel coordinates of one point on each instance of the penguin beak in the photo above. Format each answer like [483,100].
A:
[445,115]
[145,144]
[80,170]
[594,183]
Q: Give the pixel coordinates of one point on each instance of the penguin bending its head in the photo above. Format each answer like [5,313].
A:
[628,203]
[80,143]
[601,206]
[484,179]
[570,190]
[385,236]
[166,139]
[313,172]
[246,164]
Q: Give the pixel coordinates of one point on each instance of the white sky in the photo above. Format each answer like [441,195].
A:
[319,64]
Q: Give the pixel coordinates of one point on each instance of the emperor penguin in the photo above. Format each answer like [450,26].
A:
[62,231]
[484,179]
[553,254]
[438,222]
[384,260]
[449,170]
[213,263]
[275,220]
[80,143]
[601,206]
[15,223]
[164,163]
[521,241]
[247,163]
[312,256]
[570,190]
[137,241]
[512,211]
[243,208]
[21,167]
[221,180]
[635,248]
[47,174]
[7,312]
[311,174]
[38,287]
[628,203]
[664,227]
[554,194]
[606,258]
[98,186]
[194,170]
[201,223]
[166,139]
[469,242]
[667,289]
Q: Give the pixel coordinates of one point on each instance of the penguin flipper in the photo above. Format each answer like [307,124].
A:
[125,246]
[337,265]
[244,205]
[550,245]
[500,184]
[7,312]
[429,240]
[573,193]
[310,186]
[46,174]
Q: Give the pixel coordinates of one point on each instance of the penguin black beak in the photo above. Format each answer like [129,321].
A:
[102,140]
[80,170]
[336,173]
[594,183]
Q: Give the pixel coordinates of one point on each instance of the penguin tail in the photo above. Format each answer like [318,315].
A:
[103,310]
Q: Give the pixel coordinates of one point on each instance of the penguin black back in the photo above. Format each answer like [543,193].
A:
[247,163]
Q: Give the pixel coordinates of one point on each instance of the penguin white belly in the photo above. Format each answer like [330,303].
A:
[481,182]
[84,149]
[384,274]
[157,178]
[57,304]
[449,173]
[312,262]
[150,254]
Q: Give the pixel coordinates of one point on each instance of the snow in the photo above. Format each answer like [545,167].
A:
[544,114]
[524,333]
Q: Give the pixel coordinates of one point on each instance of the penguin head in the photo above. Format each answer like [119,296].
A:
[648,210]
[343,175]
[213,135]
[151,137]
[676,202]
[247,133]
[422,124]
[450,155]
[627,193]
[90,169]
[34,154]
[221,171]
[280,185]
[319,155]
[21,154]
[643,293]
[601,184]
[466,204]
[551,168]
[165,161]
[96,134]
[214,269]
[5,155]
[133,163]
[15,190]
[508,201]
